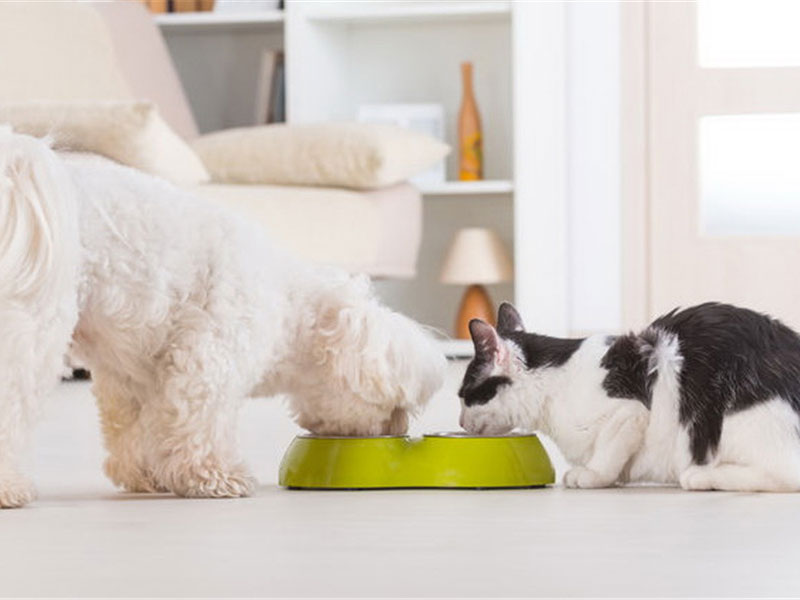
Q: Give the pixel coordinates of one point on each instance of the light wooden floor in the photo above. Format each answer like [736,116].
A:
[82,538]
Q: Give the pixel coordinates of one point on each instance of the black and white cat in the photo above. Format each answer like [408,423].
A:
[708,397]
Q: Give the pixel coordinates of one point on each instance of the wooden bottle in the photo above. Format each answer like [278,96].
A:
[469,131]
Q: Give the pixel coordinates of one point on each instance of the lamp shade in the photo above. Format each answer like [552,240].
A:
[476,255]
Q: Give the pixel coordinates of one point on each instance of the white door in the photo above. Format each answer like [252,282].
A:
[723,144]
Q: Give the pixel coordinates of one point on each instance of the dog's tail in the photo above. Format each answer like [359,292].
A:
[38,220]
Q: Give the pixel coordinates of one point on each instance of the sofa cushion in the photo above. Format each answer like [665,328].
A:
[352,155]
[376,232]
[131,133]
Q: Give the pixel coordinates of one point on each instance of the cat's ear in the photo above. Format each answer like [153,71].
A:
[508,319]
[484,338]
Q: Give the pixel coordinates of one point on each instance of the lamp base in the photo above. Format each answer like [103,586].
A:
[476,304]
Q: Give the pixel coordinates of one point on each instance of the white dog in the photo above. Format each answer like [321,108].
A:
[180,310]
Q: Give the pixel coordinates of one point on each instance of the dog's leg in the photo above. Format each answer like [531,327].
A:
[124,435]
[193,419]
[31,361]
[38,293]
[15,406]
[195,432]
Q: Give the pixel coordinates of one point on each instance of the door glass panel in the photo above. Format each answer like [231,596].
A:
[750,174]
[748,33]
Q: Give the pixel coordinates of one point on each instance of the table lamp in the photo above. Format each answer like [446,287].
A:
[476,257]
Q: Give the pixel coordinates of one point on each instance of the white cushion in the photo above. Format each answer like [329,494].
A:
[131,133]
[353,155]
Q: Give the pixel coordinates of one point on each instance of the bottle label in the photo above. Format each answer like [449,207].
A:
[471,158]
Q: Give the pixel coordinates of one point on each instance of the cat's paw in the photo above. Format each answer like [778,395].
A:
[581,477]
[696,478]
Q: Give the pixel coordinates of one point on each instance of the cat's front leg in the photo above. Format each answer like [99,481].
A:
[619,438]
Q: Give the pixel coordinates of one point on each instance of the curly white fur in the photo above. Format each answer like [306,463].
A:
[181,310]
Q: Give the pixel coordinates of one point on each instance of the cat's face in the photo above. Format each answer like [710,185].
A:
[492,391]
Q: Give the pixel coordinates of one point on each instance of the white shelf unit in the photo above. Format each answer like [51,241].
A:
[345,54]
[188,21]
[409,12]
[342,54]
[488,188]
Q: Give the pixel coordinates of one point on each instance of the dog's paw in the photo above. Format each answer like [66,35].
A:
[15,491]
[696,478]
[131,477]
[214,482]
[581,477]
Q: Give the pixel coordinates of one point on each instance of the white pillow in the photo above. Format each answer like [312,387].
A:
[353,155]
[131,133]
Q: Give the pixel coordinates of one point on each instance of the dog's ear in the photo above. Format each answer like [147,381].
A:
[508,319]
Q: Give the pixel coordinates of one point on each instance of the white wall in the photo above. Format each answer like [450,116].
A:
[593,166]
[567,152]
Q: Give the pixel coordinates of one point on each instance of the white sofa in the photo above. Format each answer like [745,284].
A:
[114,51]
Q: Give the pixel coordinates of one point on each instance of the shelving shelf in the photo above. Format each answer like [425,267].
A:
[487,187]
[192,21]
[367,13]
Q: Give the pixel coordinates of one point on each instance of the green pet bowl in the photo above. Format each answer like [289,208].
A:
[442,460]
